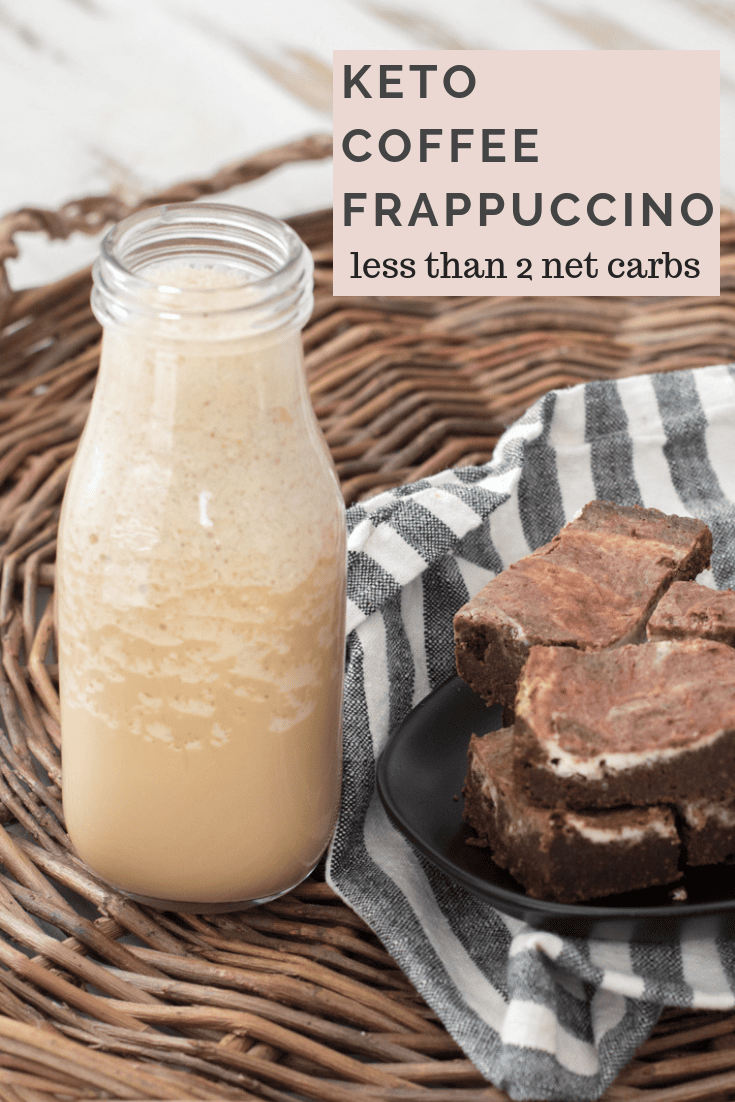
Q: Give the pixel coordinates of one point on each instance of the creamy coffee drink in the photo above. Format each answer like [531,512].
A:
[201,614]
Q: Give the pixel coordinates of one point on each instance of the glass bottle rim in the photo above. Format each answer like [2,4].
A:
[272,268]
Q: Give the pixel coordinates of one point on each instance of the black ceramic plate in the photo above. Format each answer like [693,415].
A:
[420,775]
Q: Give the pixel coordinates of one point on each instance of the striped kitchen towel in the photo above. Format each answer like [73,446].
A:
[541,1016]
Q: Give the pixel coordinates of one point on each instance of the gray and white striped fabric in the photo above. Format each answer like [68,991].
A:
[542,1017]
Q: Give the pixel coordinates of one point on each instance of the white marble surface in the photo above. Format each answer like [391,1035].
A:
[132,95]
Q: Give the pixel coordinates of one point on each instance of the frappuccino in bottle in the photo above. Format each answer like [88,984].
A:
[201,572]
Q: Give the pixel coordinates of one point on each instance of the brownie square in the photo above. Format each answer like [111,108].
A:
[692,611]
[562,855]
[640,725]
[592,587]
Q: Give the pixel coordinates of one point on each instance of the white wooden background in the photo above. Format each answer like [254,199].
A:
[132,95]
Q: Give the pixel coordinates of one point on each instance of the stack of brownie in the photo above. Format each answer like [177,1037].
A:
[618,675]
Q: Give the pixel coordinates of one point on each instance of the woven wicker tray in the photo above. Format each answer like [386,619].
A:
[296,999]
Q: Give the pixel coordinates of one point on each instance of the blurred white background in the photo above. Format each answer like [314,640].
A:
[129,96]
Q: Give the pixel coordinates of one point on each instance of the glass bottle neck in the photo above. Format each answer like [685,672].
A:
[203,272]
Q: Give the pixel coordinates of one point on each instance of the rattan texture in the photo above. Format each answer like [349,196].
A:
[102,998]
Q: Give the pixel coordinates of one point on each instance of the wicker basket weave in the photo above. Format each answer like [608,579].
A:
[101,998]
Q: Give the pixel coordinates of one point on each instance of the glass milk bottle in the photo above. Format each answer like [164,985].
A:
[201,571]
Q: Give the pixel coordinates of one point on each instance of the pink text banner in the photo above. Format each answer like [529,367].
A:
[526,172]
